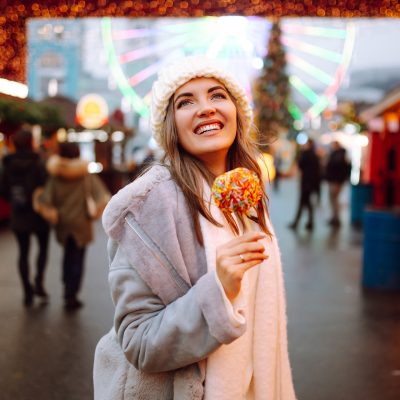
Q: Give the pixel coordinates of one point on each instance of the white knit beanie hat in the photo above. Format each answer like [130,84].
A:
[183,70]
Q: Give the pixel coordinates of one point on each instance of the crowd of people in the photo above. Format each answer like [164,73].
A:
[313,170]
[45,196]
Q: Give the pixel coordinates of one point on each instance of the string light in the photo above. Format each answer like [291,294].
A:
[14,15]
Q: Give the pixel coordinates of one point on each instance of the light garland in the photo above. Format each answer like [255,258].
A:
[15,12]
[12,88]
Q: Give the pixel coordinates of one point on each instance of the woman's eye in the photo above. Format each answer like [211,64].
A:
[183,103]
[219,96]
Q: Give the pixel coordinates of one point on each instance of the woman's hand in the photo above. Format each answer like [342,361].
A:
[236,257]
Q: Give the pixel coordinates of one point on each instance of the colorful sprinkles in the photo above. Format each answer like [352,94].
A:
[237,190]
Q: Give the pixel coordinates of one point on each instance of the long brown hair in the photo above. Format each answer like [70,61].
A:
[189,172]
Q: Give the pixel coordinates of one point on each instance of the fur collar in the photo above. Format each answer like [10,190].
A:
[130,197]
[67,168]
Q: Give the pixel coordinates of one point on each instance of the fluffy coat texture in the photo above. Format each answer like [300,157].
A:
[65,193]
[176,74]
[156,308]
[169,310]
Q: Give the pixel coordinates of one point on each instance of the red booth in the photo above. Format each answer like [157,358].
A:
[383,161]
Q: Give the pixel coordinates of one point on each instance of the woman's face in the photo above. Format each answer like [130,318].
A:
[205,118]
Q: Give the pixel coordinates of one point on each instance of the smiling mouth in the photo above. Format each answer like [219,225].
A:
[208,128]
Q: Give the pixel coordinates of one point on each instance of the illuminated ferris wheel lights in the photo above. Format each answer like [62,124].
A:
[311,49]
[335,33]
[303,88]
[182,27]
[144,74]
[131,34]
[235,40]
[310,69]
[233,25]
[229,32]
[296,114]
[154,49]
[122,83]
[317,108]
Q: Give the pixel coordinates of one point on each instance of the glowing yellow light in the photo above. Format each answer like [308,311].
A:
[92,111]
[266,163]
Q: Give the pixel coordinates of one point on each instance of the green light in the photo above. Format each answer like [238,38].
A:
[318,107]
[295,111]
[336,33]
[122,82]
[304,89]
[312,49]
[311,70]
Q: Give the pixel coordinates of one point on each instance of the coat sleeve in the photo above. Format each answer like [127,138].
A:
[43,202]
[100,194]
[4,185]
[156,337]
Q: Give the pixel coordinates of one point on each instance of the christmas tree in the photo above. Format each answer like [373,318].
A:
[272,91]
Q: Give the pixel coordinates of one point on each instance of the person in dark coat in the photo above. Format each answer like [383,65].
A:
[310,168]
[336,174]
[22,173]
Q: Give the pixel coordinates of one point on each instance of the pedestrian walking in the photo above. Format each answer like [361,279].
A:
[199,305]
[337,172]
[310,180]
[22,173]
[65,203]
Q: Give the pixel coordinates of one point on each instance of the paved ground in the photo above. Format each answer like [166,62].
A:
[344,341]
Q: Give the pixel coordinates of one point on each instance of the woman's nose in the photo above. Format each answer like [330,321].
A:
[206,109]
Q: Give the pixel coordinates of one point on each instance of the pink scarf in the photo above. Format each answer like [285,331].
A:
[256,365]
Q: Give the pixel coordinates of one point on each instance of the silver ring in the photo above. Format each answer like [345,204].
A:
[242,258]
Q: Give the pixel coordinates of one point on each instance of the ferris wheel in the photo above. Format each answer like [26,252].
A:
[318,54]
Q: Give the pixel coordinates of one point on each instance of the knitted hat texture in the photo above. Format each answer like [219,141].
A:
[183,70]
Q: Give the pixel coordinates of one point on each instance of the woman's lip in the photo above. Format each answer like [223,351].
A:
[209,133]
[211,122]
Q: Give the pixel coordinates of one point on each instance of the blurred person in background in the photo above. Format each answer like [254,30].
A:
[337,172]
[22,173]
[310,180]
[64,201]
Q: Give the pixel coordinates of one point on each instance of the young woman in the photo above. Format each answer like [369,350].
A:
[199,306]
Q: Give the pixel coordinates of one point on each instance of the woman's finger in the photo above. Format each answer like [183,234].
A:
[255,247]
[245,238]
[247,257]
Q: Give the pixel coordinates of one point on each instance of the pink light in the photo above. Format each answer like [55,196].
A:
[148,50]
[332,89]
[134,55]
[144,74]
[131,33]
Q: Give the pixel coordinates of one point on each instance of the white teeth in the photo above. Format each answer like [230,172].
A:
[206,128]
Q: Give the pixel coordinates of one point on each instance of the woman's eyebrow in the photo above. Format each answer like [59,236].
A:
[186,94]
[216,88]
[189,94]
